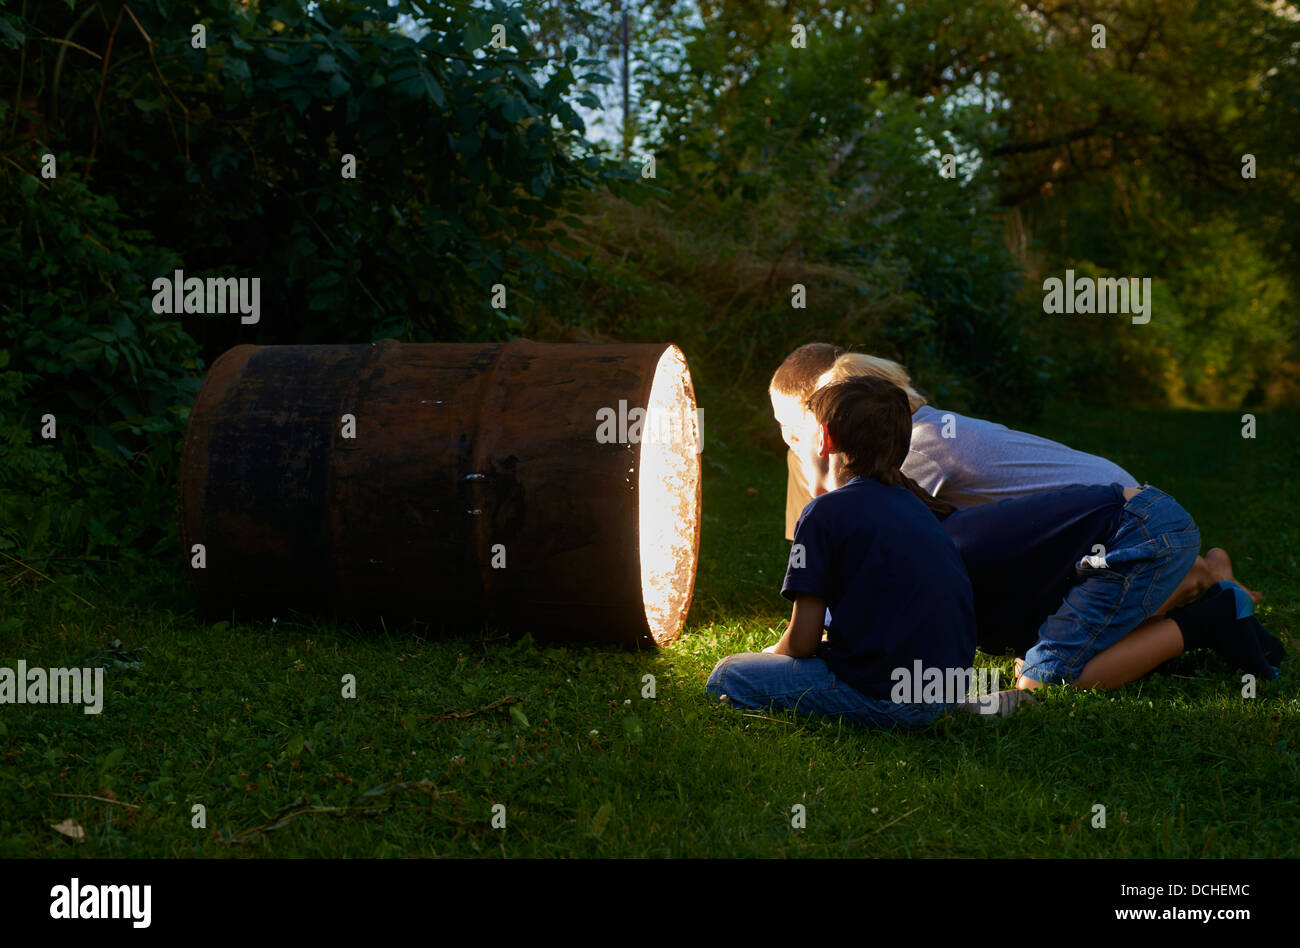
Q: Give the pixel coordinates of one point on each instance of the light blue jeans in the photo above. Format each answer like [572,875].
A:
[1154,546]
[762,679]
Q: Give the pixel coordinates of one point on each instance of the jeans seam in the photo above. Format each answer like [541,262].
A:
[1155,579]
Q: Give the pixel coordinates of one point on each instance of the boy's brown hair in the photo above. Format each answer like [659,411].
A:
[870,423]
[797,376]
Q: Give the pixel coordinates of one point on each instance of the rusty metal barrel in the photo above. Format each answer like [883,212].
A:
[544,488]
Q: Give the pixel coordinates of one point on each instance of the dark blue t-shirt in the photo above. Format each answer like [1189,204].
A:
[892,579]
[1021,556]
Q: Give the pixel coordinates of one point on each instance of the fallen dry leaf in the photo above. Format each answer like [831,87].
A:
[71,829]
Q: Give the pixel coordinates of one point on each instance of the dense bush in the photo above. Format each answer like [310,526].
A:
[87,361]
[228,161]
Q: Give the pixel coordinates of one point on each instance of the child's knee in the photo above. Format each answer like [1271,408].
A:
[716,685]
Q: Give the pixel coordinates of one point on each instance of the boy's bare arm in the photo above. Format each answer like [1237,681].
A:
[804,633]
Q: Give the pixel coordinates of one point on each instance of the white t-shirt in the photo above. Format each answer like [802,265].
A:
[981,461]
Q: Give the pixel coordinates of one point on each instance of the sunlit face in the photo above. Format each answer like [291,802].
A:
[798,426]
[806,438]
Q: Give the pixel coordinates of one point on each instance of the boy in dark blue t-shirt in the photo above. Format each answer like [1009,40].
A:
[902,631]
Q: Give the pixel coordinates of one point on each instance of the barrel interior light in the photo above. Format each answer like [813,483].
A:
[668,484]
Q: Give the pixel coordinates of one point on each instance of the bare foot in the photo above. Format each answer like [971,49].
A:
[1221,568]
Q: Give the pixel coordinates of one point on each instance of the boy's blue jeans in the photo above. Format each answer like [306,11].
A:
[762,679]
[1154,546]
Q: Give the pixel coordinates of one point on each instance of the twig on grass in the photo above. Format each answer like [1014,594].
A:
[890,823]
[287,815]
[89,796]
[1077,824]
[764,717]
[44,577]
[499,703]
[257,832]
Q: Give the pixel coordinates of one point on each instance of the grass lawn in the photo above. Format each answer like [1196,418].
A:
[249,722]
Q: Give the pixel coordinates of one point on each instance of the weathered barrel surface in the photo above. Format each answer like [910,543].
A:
[474,490]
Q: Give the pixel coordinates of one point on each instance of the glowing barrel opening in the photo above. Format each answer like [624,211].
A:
[471,490]
[668,485]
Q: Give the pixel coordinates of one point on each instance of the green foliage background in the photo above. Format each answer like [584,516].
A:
[773,166]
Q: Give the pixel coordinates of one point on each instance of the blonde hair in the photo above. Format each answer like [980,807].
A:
[852,364]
